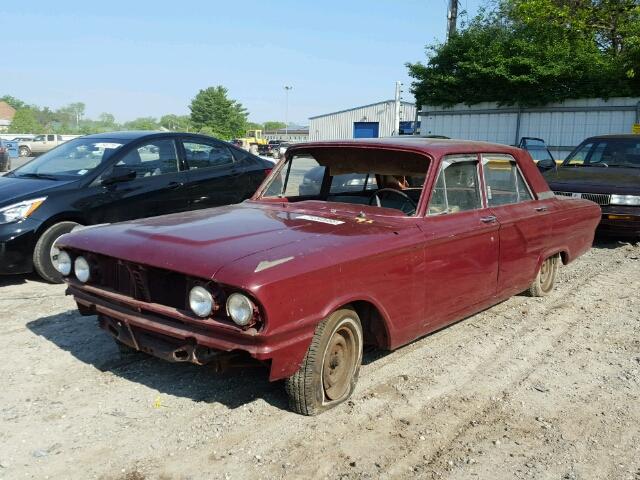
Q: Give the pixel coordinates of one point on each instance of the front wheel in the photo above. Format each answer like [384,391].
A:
[546,277]
[329,371]
[45,254]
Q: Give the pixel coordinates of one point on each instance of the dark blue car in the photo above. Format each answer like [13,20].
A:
[112,177]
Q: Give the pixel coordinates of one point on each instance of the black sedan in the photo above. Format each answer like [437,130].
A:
[606,170]
[112,177]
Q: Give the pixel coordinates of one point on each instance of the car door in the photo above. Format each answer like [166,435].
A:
[525,223]
[462,239]
[214,175]
[39,144]
[157,186]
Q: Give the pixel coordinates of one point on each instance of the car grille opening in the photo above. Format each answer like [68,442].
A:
[599,198]
[148,284]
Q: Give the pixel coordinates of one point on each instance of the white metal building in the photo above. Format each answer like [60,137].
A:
[561,125]
[374,120]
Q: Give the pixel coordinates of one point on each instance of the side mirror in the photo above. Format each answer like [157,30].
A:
[546,164]
[119,174]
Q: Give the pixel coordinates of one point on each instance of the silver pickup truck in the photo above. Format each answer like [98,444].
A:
[40,144]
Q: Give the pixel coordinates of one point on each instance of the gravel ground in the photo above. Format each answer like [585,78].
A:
[531,388]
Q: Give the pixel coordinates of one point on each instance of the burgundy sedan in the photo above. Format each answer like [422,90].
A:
[397,238]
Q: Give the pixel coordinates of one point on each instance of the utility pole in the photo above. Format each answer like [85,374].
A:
[452,18]
[286,108]
[396,123]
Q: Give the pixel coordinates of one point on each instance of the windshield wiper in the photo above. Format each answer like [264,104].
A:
[38,175]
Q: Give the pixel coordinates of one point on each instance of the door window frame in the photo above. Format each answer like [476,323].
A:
[212,143]
[445,162]
[510,158]
[126,148]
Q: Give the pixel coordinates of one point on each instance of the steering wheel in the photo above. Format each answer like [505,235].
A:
[408,199]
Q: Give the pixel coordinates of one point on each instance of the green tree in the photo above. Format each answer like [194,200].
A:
[14,102]
[176,123]
[142,123]
[213,112]
[532,52]
[24,121]
[107,119]
[273,125]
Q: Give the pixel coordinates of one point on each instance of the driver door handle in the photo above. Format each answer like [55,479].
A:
[173,185]
[541,209]
[488,219]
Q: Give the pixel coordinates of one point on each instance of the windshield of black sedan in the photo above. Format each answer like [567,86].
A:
[381,178]
[74,158]
[606,152]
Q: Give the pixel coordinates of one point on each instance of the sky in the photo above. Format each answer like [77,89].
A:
[138,59]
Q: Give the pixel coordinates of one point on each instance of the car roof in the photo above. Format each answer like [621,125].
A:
[620,136]
[130,135]
[433,146]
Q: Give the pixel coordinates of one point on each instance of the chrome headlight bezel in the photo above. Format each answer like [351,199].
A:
[20,210]
[201,301]
[629,200]
[82,269]
[240,309]
[64,259]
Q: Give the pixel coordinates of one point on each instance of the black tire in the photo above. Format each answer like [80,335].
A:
[42,253]
[329,371]
[545,278]
[24,151]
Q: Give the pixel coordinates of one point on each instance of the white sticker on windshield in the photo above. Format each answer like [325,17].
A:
[82,172]
[313,218]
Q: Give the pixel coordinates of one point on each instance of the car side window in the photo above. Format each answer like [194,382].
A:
[300,176]
[580,156]
[457,188]
[158,157]
[204,155]
[504,181]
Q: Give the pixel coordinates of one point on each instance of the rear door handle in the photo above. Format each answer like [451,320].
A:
[488,219]
[541,209]
[174,185]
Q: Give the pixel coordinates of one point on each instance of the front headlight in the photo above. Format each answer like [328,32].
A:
[63,263]
[81,269]
[240,309]
[20,211]
[201,301]
[625,200]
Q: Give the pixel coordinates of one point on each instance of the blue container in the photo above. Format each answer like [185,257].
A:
[11,147]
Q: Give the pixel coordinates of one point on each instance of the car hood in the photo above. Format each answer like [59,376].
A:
[201,242]
[13,189]
[594,179]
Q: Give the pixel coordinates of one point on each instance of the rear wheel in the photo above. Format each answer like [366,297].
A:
[329,372]
[24,151]
[45,254]
[546,278]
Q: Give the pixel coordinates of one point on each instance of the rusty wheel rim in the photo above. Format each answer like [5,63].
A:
[339,363]
[546,274]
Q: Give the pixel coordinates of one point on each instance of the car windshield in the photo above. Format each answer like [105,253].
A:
[72,159]
[384,178]
[606,152]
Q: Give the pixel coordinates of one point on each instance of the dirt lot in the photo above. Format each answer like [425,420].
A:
[532,388]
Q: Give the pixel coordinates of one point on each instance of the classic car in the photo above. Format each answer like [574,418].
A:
[111,177]
[302,282]
[605,170]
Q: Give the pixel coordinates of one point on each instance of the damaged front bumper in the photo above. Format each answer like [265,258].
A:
[173,335]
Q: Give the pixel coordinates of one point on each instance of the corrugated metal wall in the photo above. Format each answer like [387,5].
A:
[339,125]
[561,125]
